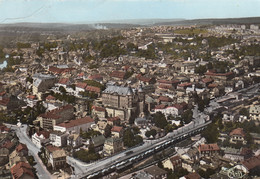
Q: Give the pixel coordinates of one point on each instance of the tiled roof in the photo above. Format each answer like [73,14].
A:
[76,122]
[8,144]
[54,114]
[207,80]
[32,97]
[46,134]
[21,147]
[4,101]
[238,131]
[2,93]
[185,84]
[218,74]
[165,99]
[97,108]
[50,97]
[145,79]
[64,81]
[81,85]
[208,147]
[113,119]
[4,128]
[93,89]
[118,74]
[20,169]
[192,176]
[168,81]
[52,148]
[252,162]
[96,77]
[154,171]
[116,129]
[161,106]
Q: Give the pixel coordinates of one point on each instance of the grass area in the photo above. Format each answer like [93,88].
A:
[191,31]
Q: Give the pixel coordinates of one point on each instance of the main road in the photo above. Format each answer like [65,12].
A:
[21,132]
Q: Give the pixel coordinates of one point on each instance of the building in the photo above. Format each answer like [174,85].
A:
[172,163]
[100,112]
[254,112]
[22,170]
[56,157]
[75,126]
[98,142]
[156,172]
[56,116]
[40,138]
[193,175]
[41,83]
[117,131]
[237,154]
[74,140]
[112,146]
[58,139]
[252,165]
[237,135]
[208,149]
[123,102]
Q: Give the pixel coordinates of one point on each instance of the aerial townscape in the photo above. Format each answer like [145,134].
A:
[129,101]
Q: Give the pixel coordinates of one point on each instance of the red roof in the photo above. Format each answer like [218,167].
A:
[97,108]
[208,147]
[165,86]
[93,89]
[50,97]
[20,169]
[113,119]
[95,77]
[8,144]
[178,106]
[175,160]
[207,80]
[161,106]
[54,114]
[76,122]
[56,70]
[252,162]
[2,93]
[213,85]
[185,84]
[145,79]
[4,101]
[238,131]
[168,81]
[81,74]
[192,176]
[21,147]
[46,134]
[118,74]
[52,148]
[81,85]
[218,74]
[64,81]
[32,97]
[116,129]
[165,99]
[4,128]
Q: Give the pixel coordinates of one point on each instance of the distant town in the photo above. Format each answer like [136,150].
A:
[164,102]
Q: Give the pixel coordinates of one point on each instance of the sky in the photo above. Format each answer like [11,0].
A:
[93,11]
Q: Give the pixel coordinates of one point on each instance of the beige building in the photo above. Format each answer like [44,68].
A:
[49,119]
[254,112]
[112,146]
[56,157]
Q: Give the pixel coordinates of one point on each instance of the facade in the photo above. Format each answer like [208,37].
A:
[208,149]
[56,157]
[58,139]
[122,102]
[49,119]
[100,112]
[39,138]
[41,83]
[117,131]
[173,163]
[77,125]
[22,170]
[112,146]
[237,135]
[156,172]
[74,140]
[254,112]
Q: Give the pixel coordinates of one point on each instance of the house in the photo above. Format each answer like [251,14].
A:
[208,149]
[11,103]
[113,145]
[16,157]
[237,135]
[100,112]
[193,175]
[252,165]
[237,154]
[74,140]
[63,82]
[118,75]
[4,129]
[93,89]
[51,118]
[102,126]
[220,76]
[255,137]
[40,138]
[96,77]
[21,150]
[4,156]
[254,112]
[98,142]
[156,172]
[113,121]
[58,139]
[22,170]
[80,87]
[117,131]
[56,157]
[77,125]
[172,163]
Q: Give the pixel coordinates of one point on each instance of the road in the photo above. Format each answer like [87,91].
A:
[42,172]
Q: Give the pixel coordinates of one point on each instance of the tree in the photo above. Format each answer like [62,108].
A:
[62,90]
[244,112]
[153,133]
[201,69]
[107,132]
[211,133]
[160,120]
[187,116]
[128,138]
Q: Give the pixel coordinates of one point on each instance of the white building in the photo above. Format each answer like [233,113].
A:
[58,139]
[254,112]
[40,137]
